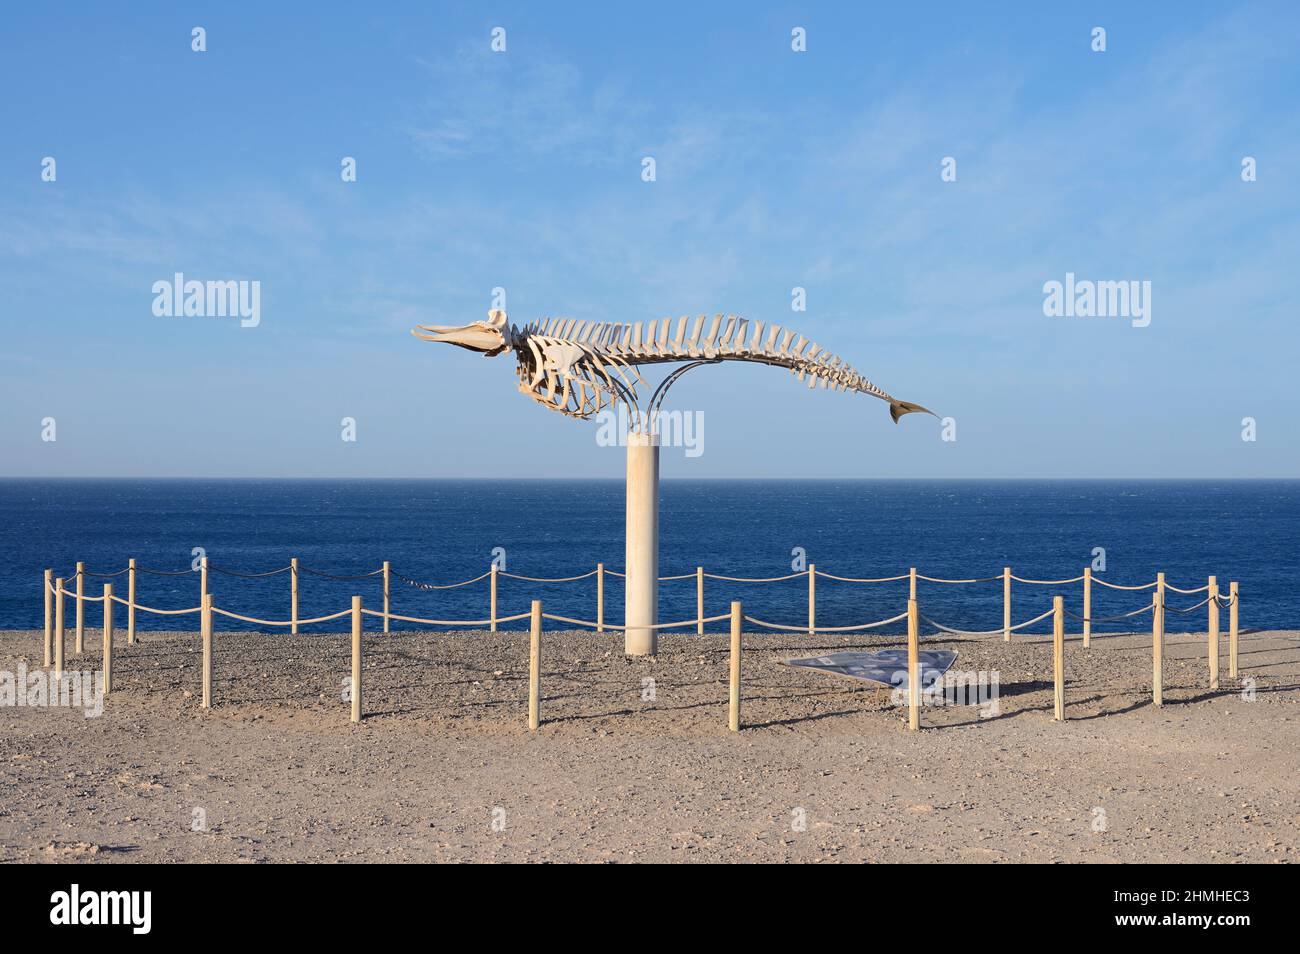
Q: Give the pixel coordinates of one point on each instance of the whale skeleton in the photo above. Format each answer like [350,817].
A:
[580,367]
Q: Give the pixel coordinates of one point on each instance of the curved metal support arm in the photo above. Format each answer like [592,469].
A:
[651,415]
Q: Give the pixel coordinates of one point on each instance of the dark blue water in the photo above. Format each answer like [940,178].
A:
[444,531]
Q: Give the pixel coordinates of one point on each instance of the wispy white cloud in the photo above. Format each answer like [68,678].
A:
[480,102]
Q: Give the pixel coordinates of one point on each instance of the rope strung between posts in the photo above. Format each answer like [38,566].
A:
[684,622]
[72,593]
[440,586]
[279,622]
[249,576]
[1227,601]
[982,579]
[1199,589]
[752,579]
[105,576]
[575,622]
[1116,586]
[1175,609]
[331,576]
[1019,579]
[593,625]
[688,622]
[984,632]
[863,579]
[448,622]
[1110,619]
[549,579]
[825,629]
[145,569]
[150,609]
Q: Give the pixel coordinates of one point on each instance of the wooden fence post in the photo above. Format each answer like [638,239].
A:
[535,667]
[205,628]
[1158,643]
[1232,629]
[293,596]
[130,602]
[492,606]
[81,605]
[48,583]
[1058,655]
[812,598]
[107,663]
[911,583]
[600,597]
[59,628]
[1006,604]
[356,659]
[203,577]
[387,574]
[699,600]
[733,705]
[1087,606]
[1212,636]
[913,667]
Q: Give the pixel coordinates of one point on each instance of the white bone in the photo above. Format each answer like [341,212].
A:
[725,342]
[695,332]
[712,340]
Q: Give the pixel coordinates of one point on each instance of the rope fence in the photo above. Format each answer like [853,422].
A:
[1111,619]
[343,579]
[861,579]
[1117,586]
[158,612]
[56,592]
[245,576]
[987,632]
[983,579]
[565,579]
[1189,609]
[279,622]
[826,629]
[386,575]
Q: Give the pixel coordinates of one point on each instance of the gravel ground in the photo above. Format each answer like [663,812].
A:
[444,769]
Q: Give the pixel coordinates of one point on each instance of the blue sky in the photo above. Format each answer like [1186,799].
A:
[775,169]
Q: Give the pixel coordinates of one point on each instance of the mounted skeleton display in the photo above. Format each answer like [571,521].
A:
[582,367]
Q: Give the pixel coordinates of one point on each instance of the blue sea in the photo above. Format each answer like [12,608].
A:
[443,531]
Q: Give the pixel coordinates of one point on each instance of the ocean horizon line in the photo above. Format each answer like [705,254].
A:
[664,479]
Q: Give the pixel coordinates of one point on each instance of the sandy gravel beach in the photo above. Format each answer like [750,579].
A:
[444,769]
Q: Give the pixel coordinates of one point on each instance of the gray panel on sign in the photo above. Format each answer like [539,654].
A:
[886,666]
